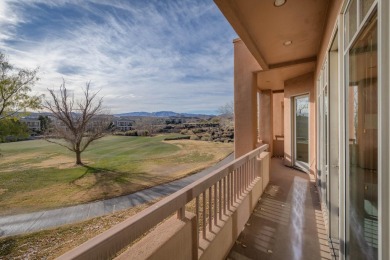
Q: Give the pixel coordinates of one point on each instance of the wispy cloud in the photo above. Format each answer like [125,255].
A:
[142,55]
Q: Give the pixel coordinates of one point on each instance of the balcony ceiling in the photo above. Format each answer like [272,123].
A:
[265,28]
[274,79]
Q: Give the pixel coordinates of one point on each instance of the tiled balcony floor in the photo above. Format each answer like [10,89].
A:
[287,223]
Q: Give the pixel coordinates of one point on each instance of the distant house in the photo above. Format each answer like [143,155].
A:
[96,121]
[124,124]
[33,124]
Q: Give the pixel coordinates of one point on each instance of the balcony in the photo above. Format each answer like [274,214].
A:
[204,219]
[287,223]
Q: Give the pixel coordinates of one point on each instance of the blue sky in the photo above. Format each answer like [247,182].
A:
[142,55]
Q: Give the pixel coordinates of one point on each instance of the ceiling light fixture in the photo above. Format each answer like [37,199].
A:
[287,43]
[279,3]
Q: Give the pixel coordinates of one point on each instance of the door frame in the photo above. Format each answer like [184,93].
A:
[303,166]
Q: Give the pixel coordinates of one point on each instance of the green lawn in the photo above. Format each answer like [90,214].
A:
[37,175]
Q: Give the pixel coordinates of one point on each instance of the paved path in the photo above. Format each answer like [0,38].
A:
[25,223]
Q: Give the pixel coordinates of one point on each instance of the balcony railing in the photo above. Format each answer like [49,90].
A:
[216,196]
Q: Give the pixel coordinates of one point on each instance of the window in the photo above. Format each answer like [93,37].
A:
[362,132]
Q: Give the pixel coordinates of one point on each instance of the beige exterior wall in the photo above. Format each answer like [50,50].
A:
[278,111]
[334,10]
[278,124]
[245,99]
[298,86]
[266,118]
[174,239]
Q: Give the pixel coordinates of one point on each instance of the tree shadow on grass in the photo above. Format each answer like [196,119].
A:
[112,183]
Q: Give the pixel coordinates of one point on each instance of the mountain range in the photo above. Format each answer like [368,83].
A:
[161,114]
[135,114]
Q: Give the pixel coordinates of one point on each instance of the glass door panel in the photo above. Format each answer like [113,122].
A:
[301,123]
[325,146]
[362,131]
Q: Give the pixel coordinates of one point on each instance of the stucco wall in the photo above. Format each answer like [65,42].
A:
[245,99]
[334,10]
[278,110]
[298,86]
[278,124]
[266,118]
[173,239]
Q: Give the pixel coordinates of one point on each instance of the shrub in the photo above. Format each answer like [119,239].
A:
[177,138]
[194,137]
[131,133]
[198,130]
[206,138]
[143,133]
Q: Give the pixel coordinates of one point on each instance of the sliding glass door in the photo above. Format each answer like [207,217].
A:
[362,138]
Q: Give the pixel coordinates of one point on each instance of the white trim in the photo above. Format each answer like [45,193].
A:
[299,164]
[342,150]
[360,25]
[346,144]
[318,87]
[383,126]
[334,135]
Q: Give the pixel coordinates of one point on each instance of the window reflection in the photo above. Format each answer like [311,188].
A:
[363,146]
[302,128]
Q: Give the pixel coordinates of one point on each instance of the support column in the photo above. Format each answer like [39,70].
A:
[266,118]
[245,99]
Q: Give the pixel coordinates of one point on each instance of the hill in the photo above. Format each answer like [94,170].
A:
[161,114]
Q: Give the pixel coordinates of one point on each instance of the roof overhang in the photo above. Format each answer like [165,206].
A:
[266,29]
[274,78]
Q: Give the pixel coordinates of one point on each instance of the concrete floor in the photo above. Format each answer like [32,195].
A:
[287,222]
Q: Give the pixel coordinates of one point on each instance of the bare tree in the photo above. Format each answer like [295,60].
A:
[78,123]
[226,114]
[146,125]
[227,110]
[302,109]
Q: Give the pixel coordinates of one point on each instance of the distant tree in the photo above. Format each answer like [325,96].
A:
[226,114]
[215,120]
[77,123]
[15,85]
[146,126]
[11,129]
[226,110]
[45,122]
[302,109]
